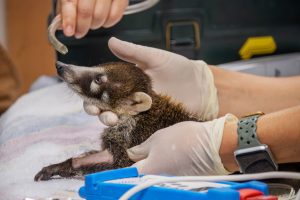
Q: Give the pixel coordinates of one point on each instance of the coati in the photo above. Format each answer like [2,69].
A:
[127,91]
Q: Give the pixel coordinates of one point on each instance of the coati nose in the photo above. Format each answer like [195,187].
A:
[60,66]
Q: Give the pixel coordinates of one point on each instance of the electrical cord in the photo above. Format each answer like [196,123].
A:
[279,189]
[298,195]
[243,177]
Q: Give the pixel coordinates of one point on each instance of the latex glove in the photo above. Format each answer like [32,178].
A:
[186,148]
[81,15]
[106,117]
[187,81]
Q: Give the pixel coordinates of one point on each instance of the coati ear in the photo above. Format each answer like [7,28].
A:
[140,102]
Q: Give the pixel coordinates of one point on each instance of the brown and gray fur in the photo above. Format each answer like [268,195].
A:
[116,87]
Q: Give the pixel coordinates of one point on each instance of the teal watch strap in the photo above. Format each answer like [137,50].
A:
[247,132]
[251,155]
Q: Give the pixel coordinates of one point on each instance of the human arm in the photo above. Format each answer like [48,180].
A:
[279,130]
[241,93]
[78,16]
[207,148]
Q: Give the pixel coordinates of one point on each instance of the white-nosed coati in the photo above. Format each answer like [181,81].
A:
[125,90]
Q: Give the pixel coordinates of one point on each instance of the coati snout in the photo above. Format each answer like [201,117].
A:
[125,90]
[118,87]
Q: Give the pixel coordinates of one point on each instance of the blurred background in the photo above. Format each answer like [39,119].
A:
[217,31]
[23,33]
[25,51]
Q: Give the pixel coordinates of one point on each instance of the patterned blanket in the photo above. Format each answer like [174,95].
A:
[44,127]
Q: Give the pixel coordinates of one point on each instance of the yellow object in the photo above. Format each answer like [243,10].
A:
[257,46]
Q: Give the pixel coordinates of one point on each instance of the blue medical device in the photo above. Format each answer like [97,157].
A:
[110,185]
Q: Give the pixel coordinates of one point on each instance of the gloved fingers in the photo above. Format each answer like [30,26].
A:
[137,153]
[141,151]
[141,166]
[145,167]
[109,118]
[150,166]
[144,57]
[91,109]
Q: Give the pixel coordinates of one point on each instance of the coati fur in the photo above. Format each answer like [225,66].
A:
[127,91]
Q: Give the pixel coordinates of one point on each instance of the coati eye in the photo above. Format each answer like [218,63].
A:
[100,78]
[97,79]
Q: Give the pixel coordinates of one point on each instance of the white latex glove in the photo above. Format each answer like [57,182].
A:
[107,117]
[186,148]
[190,82]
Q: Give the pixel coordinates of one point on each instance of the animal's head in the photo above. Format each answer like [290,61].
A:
[118,87]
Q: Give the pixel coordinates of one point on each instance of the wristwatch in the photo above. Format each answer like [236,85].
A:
[251,155]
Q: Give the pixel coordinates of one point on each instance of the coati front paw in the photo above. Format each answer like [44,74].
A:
[63,169]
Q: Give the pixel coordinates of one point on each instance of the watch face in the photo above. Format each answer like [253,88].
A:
[256,161]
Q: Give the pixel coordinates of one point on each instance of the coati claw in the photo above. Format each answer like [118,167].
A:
[63,169]
[43,175]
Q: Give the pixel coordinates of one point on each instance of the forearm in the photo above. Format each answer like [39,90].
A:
[241,93]
[279,130]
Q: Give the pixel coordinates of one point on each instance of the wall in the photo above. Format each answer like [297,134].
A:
[27,39]
[2,23]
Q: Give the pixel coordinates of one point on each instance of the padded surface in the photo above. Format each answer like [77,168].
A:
[43,127]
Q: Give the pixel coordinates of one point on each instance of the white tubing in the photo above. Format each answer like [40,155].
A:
[243,177]
[298,195]
[139,7]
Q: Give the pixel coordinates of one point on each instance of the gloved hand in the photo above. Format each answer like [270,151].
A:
[106,117]
[187,81]
[186,148]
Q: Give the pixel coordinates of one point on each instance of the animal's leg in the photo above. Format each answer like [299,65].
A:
[120,159]
[77,166]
